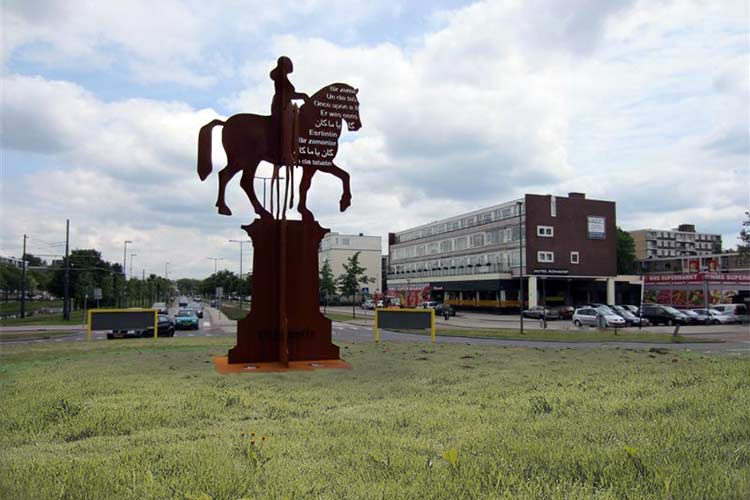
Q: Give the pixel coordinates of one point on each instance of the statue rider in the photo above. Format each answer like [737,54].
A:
[282,110]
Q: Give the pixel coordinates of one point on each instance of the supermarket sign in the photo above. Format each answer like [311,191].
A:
[698,278]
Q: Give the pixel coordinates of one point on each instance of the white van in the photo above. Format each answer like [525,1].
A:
[736,311]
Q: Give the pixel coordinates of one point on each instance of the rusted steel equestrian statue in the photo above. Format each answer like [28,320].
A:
[249,139]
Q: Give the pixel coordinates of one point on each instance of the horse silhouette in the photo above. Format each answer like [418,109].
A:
[248,139]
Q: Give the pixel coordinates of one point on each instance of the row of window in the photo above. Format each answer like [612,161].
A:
[505,260]
[492,237]
[544,257]
[500,213]
[671,235]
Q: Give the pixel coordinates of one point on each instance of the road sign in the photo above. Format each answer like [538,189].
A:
[219,292]
[97,294]
[365,291]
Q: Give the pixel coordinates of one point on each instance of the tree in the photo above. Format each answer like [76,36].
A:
[10,279]
[353,275]
[625,252]
[744,244]
[326,283]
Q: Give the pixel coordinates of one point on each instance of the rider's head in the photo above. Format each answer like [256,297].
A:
[285,65]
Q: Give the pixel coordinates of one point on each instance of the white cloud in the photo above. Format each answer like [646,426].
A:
[643,103]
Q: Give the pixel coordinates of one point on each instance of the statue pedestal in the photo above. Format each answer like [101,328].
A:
[260,335]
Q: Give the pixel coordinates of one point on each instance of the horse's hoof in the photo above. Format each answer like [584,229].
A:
[345,203]
[224,210]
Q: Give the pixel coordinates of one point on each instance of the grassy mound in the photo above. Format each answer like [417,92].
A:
[152,419]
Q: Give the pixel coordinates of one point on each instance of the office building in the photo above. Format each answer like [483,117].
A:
[681,242]
[562,248]
[338,248]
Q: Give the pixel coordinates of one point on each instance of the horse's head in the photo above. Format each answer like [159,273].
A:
[338,100]
[352,117]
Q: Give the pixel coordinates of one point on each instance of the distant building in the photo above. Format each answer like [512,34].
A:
[11,261]
[681,242]
[564,247]
[338,248]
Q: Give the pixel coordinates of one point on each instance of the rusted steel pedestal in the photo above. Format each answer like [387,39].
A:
[260,335]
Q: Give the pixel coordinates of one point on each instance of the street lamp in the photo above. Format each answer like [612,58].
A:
[216,260]
[242,242]
[519,206]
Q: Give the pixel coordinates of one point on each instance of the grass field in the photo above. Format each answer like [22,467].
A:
[14,306]
[630,335]
[76,317]
[234,312]
[47,334]
[138,420]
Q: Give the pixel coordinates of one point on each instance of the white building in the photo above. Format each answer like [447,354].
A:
[338,248]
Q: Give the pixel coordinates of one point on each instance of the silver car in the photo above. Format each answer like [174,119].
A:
[714,317]
[590,316]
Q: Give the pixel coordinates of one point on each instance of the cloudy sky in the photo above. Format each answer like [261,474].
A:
[463,105]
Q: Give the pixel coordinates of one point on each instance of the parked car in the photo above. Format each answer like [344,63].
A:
[430,304]
[379,304]
[441,308]
[537,312]
[564,312]
[630,318]
[663,315]
[714,317]
[590,316]
[368,305]
[161,307]
[186,318]
[738,312]
[694,317]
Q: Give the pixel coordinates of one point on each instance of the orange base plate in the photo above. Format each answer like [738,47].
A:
[223,365]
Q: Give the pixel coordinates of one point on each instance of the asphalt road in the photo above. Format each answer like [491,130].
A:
[216,324]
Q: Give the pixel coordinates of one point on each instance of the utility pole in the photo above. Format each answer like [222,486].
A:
[124,274]
[519,205]
[23,278]
[143,288]
[66,286]
[131,263]
[166,282]
[241,242]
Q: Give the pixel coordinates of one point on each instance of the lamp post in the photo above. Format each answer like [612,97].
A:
[519,206]
[241,242]
[124,269]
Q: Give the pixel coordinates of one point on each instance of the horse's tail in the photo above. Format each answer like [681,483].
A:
[204,149]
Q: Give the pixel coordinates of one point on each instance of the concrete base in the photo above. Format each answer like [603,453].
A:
[223,366]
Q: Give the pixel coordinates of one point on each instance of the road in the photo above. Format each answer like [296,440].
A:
[215,324]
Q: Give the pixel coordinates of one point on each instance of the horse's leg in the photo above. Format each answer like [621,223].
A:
[346,196]
[225,175]
[248,174]
[304,185]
